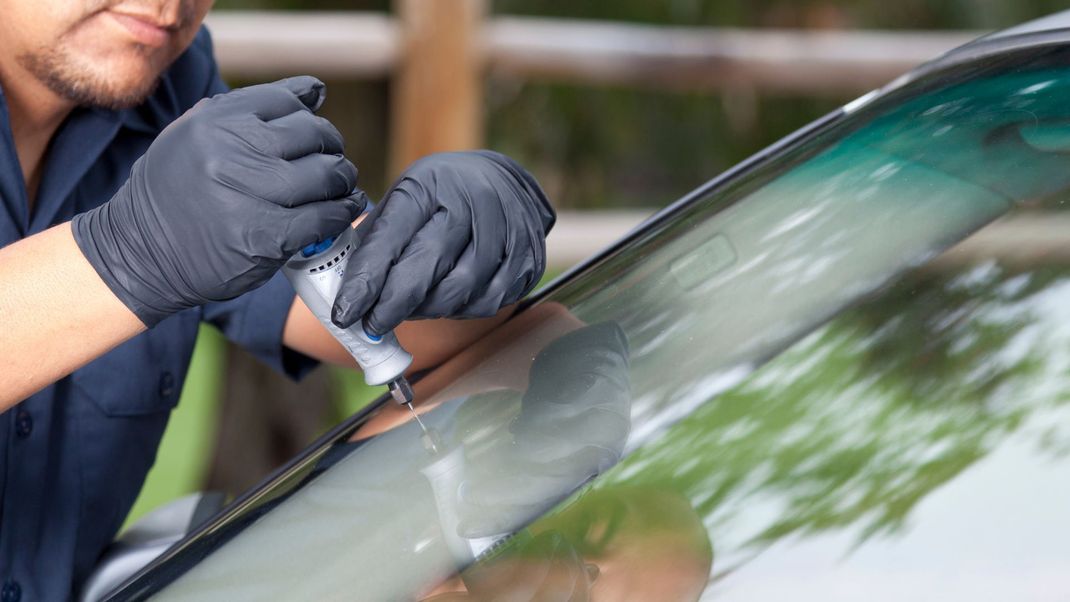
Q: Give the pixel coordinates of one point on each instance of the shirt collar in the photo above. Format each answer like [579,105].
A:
[77,144]
[12,189]
[140,119]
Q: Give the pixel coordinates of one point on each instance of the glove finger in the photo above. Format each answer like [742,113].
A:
[302,133]
[271,101]
[430,255]
[473,270]
[308,89]
[307,179]
[315,222]
[361,199]
[384,236]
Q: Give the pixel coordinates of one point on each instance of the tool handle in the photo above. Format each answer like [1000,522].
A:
[316,274]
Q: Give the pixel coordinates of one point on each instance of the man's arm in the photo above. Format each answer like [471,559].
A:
[56,314]
[430,342]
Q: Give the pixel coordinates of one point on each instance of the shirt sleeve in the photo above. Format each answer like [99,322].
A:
[255,322]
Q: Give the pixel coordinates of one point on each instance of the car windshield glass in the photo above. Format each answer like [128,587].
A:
[675,324]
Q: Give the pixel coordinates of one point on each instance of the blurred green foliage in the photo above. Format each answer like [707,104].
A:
[853,427]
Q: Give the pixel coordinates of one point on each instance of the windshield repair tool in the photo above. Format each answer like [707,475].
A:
[316,274]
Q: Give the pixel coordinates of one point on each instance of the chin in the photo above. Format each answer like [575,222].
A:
[131,82]
[120,66]
[120,83]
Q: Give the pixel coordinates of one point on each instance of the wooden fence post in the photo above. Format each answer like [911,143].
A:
[437,93]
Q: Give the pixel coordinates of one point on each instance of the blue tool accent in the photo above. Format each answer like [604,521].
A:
[317,247]
[371,337]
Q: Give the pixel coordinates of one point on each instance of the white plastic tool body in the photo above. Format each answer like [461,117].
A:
[316,274]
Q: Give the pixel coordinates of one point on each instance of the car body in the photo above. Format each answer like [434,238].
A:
[840,370]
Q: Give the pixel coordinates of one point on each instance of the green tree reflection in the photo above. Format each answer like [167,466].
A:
[858,422]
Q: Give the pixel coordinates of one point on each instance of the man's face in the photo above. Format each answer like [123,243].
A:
[102,53]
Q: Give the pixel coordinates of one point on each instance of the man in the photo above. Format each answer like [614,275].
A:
[124,226]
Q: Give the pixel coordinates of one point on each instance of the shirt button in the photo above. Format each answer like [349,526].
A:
[23,424]
[167,384]
[11,592]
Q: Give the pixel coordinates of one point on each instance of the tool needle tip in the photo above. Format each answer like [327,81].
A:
[416,416]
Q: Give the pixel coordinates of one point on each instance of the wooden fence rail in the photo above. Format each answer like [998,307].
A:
[266,44]
[589,52]
[695,58]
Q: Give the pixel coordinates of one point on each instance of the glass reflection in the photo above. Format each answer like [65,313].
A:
[422,503]
[617,543]
[917,446]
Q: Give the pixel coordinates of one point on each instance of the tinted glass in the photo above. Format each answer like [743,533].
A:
[841,374]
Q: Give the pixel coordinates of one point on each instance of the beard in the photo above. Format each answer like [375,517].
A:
[61,71]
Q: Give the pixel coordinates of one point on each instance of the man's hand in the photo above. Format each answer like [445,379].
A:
[459,235]
[221,199]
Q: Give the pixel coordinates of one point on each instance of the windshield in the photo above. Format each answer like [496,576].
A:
[898,365]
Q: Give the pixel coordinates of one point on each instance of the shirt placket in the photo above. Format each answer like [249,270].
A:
[25,454]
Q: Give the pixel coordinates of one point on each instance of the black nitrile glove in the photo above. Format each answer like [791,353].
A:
[573,424]
[459,235]
[221,199]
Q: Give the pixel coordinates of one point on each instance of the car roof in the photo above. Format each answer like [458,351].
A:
[1060,20]
[1052,29]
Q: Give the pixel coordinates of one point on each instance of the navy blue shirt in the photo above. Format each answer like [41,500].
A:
[74,456]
